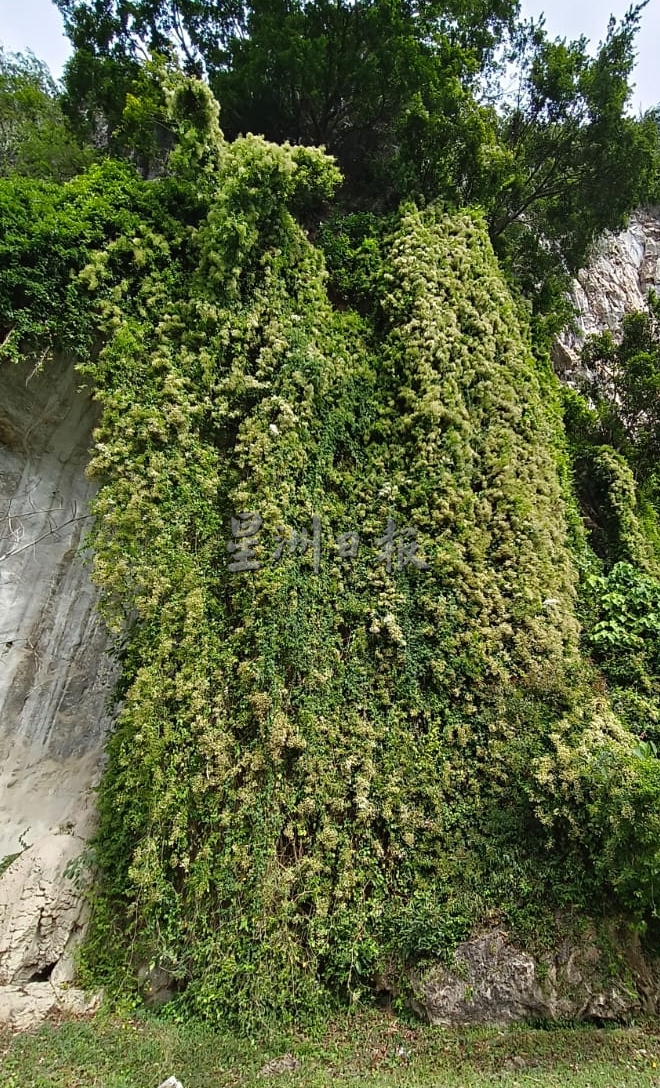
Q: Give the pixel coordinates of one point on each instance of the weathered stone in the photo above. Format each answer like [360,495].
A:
[276,1066]
[617,280]
[41,912]
[23,1006]
[494,982]
[55,678]
[159,986]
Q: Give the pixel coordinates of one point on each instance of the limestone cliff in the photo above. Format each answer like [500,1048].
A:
[54,676]
[624,268]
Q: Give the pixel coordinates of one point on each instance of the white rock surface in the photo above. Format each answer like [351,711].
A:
[55,678]
[23,1006]
[617,280]
[41,912]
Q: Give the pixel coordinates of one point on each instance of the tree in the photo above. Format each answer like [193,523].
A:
[408,97]
[357,78]
[204,32]
[624,385]
[577,163]
[35,139]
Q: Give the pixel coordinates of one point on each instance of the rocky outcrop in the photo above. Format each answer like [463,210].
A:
[55,678]
[23,1006]
[617,280]
[492,981]
[41,911]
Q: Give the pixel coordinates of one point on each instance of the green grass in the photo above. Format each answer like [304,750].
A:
[366,1049]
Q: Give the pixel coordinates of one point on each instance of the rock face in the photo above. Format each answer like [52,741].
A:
[493,982]
[55,678]
[624,267]
[23,1006]
[41,912]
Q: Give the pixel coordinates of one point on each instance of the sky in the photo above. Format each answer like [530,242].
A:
[37,25]
[571,19]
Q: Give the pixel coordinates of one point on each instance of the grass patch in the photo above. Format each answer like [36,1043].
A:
[376,1049]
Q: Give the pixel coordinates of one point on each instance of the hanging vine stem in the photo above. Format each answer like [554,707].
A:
[17,531]
[44,536]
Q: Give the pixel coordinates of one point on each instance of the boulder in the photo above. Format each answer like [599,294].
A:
[492,981]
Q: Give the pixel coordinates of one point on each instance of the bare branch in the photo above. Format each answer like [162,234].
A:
[44,536]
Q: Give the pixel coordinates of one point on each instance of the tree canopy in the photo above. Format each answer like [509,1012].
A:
[415,102]
[35,139]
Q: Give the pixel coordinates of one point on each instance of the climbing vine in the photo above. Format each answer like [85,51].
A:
[298,752]
[317,759]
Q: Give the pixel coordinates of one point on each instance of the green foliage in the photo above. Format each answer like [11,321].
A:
[298,754]
[616,781]
[49,232]
[353,246]
[7,860]
[625,636]
[411,100]
[608,486]
[317,778]
[611,437]
[425,929]
[611,426]
[624,386]
[94,96]
[35,140]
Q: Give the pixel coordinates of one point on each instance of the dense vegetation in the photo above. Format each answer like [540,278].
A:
[457,102]
[35,138]
[380,679]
